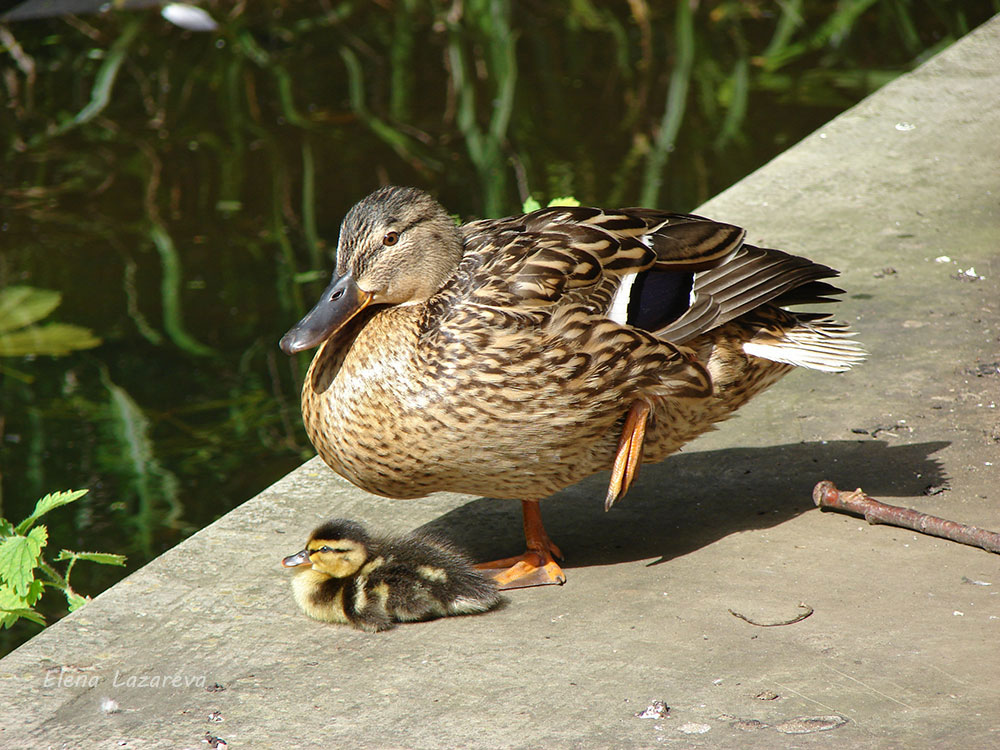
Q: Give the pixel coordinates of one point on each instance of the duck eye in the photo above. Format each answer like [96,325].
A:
[391,238]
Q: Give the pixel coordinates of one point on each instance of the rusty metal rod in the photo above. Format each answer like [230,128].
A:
[827,496]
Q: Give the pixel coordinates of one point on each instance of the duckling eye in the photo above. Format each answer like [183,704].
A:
[391,238]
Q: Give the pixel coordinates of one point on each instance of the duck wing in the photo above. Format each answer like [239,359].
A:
[549,291]
[674,275]
[633,284]
[590,257]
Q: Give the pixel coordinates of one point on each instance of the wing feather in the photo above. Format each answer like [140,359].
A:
[533,269]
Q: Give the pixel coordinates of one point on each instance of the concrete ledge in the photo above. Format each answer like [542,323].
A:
[902,643]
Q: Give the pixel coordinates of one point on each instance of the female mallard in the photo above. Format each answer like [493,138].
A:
[513,357]
[344,574]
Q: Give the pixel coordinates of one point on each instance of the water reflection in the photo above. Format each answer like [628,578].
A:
[182,191]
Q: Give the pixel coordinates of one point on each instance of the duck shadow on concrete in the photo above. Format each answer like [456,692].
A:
[693,499]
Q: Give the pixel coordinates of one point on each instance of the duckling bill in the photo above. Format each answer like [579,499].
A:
[346,575]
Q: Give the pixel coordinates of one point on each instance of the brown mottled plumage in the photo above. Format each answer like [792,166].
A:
[513,357]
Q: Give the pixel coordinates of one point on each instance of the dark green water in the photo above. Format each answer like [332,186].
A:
[182,192]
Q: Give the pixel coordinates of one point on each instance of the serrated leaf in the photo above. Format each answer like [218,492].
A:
[10,600]
[75,601]
[15,607]
[55,500]
[35,591]
[18,557]
[39,535]
[9,616]
[104,558]
[50,502]
[21,306]
[530,204]
[52,339]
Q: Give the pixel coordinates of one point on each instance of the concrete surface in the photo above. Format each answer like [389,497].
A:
[903,641]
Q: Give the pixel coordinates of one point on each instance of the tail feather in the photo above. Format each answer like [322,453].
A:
[748,279]
[826,345]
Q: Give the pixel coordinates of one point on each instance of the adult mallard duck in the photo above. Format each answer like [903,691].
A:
[513,357]
[344,574]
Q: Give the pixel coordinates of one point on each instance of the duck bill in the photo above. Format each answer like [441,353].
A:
[299,558]
[340,302]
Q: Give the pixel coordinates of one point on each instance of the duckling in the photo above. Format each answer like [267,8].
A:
[373,582]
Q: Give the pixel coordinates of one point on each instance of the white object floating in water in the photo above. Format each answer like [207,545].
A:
[905,126]
[188,17]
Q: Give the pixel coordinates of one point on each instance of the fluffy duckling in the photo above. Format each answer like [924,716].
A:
[374,582]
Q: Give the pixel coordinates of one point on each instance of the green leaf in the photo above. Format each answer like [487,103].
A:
[35,591]
[15,607]
[56,500]
[9,616]
[18,558]
[39,535]
[18,375]
[6,528]
[104,558]
[533,205]
[566,200]
[75,601]
[21,306]
[307,277]
[50,502]
[52,339]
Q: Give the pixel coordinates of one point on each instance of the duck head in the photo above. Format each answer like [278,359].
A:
[338,548]
[397,246]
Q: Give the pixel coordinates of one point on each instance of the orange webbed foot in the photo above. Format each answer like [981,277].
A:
[537,566]
[523,571]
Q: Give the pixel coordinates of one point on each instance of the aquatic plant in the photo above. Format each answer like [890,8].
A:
[21,307]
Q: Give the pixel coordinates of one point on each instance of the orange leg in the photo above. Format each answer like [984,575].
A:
[629,456]
[537,566]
